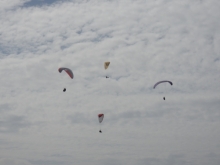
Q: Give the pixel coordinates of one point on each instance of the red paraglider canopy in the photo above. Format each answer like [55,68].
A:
[68,71]
[100,116]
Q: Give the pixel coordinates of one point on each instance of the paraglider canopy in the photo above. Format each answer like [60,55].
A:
[67,70]
[162,82]
[106,64]
[100,116]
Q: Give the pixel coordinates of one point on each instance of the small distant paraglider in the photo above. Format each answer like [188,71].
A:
[100,117]
[164,81]
[106,65]
[68,71]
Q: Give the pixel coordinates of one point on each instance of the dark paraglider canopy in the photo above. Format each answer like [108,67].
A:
[162,82]
[64,89]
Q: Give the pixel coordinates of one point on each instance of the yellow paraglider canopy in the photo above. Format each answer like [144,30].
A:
[106,64]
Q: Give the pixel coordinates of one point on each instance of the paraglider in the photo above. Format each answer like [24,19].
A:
[164,81]
[106,65]
[68,71]
[100,117]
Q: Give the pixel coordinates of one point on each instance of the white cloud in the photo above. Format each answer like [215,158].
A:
[5,5]
[145,42]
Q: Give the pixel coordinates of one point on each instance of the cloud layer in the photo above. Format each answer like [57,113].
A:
[145,42]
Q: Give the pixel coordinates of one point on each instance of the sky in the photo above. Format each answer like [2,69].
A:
[145,41]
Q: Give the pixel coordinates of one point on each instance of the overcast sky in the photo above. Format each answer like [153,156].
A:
[145,41]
